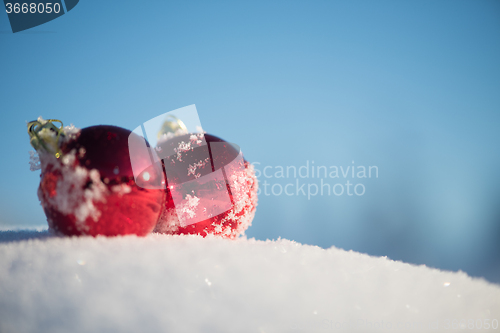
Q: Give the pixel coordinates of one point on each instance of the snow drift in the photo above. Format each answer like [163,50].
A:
[164,283]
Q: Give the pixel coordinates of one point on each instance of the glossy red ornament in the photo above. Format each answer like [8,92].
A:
[211,189]
[90,188]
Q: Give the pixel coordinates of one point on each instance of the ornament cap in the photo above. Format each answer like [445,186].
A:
[173,125]
[45,136]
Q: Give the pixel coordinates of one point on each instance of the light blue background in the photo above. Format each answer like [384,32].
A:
[412,87]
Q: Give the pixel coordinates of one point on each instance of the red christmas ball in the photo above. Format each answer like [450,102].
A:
[211,188]
[90,189]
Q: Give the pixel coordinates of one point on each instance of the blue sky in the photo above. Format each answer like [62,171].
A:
[411,87]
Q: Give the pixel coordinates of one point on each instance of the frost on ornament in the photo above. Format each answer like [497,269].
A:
[87,185]
[34,161]
[211,189]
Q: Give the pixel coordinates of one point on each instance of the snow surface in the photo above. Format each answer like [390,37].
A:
[166,283]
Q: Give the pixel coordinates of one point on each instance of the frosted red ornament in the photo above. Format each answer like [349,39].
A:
[211,189]
[87,186]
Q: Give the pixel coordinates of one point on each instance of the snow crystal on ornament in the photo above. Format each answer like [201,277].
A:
[168,222]
[200,164]
[196,138]
[121,189]
[183,147]
[34,161]
[167,136]
[70,131]
[187,209]
[71,187]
